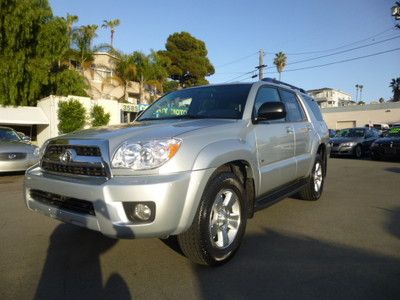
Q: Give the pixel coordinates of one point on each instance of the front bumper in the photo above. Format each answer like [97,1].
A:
[342,150]
[176,197]
[17,165]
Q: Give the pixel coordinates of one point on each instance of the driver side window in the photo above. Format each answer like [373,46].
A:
[267,94]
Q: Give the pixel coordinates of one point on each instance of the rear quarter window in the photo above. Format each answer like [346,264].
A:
[314,107]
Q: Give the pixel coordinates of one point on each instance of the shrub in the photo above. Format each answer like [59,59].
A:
[98,116]
[72,116]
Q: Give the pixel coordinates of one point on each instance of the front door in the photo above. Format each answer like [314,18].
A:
[275,146]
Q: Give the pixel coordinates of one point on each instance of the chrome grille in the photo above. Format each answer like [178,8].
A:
[84,160]
[12,156]
[52,150]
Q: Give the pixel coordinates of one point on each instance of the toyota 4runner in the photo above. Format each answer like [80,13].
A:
[196,164]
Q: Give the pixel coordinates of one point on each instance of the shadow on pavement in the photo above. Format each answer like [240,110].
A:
[393,169]
[72,269]
[393,224]
[5,174]
[279,266]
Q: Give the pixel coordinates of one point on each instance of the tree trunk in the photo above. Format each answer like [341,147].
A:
[141,89]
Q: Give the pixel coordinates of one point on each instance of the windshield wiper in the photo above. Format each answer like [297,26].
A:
[175,118]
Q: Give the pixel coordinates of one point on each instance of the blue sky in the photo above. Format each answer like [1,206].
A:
[234,31]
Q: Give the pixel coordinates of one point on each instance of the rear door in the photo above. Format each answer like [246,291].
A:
[275,146]
[303,132]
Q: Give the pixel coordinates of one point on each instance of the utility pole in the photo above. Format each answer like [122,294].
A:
[261,65]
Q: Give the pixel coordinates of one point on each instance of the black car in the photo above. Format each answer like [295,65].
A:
[387,147]
[353,141]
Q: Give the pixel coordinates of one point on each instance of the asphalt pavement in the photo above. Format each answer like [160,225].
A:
[344,246]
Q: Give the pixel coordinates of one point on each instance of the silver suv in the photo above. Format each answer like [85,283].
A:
[196,164]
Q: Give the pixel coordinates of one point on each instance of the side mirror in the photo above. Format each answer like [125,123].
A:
[26,139]
[271,111]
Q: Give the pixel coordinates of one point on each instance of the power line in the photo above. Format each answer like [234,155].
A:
[237,60]
[343,51]
[340,47]
[341,61]
[244,74]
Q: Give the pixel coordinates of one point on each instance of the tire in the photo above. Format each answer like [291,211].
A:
[218,227]
[358,152]
[376,156]
[312,191]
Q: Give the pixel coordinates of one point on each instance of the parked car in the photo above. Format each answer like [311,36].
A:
[15,154]
[24,137]
[387,147]
[353,141]
[197,164]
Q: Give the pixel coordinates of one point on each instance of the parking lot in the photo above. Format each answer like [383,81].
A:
[344,246]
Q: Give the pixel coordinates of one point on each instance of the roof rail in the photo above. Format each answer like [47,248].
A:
[283,83]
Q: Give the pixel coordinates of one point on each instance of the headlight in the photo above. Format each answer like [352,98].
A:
[36,151]
[349,144]
[145,155]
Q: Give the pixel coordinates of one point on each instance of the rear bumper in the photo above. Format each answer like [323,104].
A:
[176,198]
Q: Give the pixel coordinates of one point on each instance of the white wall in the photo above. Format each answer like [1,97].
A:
[49,105]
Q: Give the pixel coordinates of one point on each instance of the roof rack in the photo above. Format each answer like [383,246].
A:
[283,83]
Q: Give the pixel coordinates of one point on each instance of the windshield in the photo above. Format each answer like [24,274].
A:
[351,132]
[8,135]
[221,101]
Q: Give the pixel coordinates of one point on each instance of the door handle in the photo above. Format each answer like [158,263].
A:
[309,127]
[289,130]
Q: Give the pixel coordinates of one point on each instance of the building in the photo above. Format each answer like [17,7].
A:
[328,97]
[361,115]
[103,67]
[41,122]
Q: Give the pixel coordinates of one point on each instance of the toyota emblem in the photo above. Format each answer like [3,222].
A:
[67,156]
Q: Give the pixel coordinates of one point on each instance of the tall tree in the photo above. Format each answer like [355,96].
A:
[360,86]
[83,39]
[112,24]
[357,87]
[395,85]
[189,64]
[32,41]
[70,20]
[280,62]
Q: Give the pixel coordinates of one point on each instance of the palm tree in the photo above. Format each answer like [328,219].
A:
[280,62]
[125,71]
[82,39]
[111,24]
[361,88]
[395,85]
[70,20]
[357,86]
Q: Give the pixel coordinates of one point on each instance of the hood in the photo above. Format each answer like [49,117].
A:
[145,130]
[15,146]
[341,140]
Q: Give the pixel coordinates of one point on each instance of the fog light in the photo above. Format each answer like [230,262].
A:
[142,212]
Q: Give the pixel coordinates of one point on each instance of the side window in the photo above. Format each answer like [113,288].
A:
[312,104]
[294,112]
[267,94]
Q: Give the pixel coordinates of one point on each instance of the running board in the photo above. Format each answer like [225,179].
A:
[280,193]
